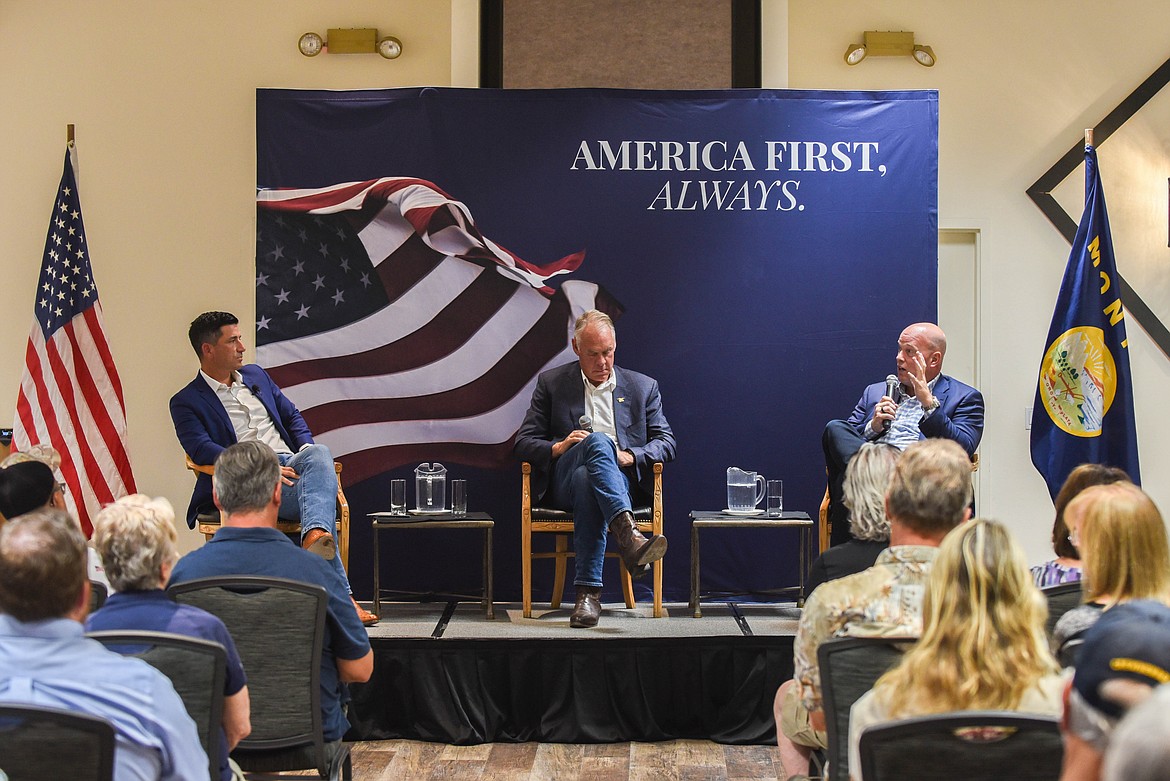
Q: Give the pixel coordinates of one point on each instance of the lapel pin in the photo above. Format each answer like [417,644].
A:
[621,399]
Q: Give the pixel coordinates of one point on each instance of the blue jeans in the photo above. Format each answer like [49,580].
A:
[312,499]
[588,481]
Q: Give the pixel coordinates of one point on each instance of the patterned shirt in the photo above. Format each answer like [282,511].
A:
[1053,573]
[883,601]
[905,428]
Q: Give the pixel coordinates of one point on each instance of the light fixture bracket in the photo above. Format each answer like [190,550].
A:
[889,44]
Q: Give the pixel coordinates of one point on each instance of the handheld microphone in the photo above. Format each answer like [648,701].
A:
[892,383]
[585,423]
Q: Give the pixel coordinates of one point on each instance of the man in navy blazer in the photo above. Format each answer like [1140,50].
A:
[592,434]
[926,403]
[229,402]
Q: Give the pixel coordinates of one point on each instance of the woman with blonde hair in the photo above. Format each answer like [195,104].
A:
[867,477]
[982,646]
[1124,553]
[1066,567]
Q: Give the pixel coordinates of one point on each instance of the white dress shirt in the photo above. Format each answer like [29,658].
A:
[248,415]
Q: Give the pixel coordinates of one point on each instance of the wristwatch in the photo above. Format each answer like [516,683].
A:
[934,403]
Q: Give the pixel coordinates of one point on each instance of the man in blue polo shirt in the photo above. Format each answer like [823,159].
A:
[136,538]
[247,489]
[46,661]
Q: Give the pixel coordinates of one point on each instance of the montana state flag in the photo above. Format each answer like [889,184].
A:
[1084,397]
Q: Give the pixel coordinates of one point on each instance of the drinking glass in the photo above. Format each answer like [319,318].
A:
[398,497]
[775,498]
[459,497]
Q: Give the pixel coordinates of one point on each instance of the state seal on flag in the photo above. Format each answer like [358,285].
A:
[1078,380]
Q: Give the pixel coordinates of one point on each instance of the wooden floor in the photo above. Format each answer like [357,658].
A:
[686,760]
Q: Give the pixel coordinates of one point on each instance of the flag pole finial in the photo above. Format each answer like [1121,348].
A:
[69,134]
[1088,136]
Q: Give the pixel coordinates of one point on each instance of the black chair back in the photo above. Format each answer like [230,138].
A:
[279,628]
[963,746]
[197,668]
[1061,599]
[41,743]
[849,668]
[97,594]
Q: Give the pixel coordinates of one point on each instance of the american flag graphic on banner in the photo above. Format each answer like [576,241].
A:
[399,330]
[70,395]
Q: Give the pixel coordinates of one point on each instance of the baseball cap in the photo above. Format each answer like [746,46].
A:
[1130,642]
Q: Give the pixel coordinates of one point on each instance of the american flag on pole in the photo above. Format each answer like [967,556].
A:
[70,395]
[399,330]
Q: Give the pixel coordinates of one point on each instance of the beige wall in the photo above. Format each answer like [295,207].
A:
[1018,82]
[162,94]
[163,97]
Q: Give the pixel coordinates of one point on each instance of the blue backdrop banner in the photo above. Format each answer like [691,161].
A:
[421,254]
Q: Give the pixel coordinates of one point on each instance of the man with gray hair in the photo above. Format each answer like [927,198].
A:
[136,538]
[592,435]
[929,494]
[247,489]
[46,661]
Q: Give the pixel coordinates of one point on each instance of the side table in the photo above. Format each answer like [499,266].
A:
[384,521]
[704,519]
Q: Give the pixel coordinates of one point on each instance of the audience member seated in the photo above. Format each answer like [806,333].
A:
[136,538]
[45,660]
[1066,567]
[1122,541]
[866,479]
[1125,655]
[247,489]
[983,645]
[28,482]
[929,495]
[1139,749]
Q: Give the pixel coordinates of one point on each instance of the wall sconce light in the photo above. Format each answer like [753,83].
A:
[353,41]
[889,44]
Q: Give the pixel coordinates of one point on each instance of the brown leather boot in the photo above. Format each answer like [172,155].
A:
[320,542]
[636,550]
[588,610]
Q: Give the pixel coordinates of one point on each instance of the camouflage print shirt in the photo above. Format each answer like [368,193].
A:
[882,601]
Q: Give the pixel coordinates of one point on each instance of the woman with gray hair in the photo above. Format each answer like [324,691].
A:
[866,479]
[137,542]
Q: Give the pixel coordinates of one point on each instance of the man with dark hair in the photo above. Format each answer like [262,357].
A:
[929,494]
[925,404]
[247,488]
[592,434]
[230,402]
[46,661]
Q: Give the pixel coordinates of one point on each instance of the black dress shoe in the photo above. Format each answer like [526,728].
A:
[588,609]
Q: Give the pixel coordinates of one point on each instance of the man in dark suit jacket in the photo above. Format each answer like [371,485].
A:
[229,402]
[926,404]
[592,434]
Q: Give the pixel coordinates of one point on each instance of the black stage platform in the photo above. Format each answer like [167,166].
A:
[445,673]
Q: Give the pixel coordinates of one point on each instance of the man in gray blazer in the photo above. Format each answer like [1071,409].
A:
[592,434]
